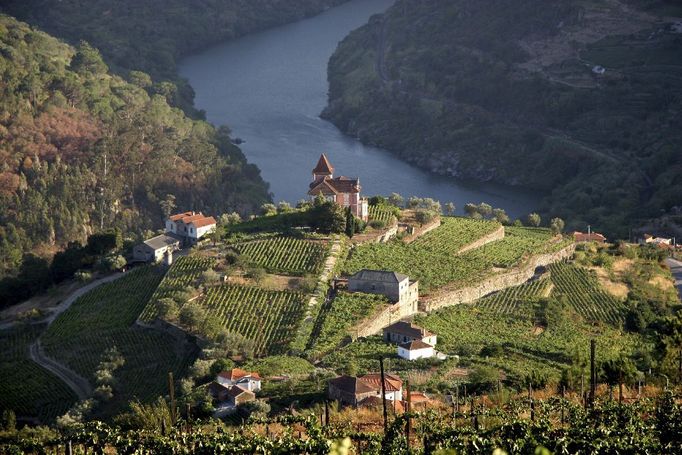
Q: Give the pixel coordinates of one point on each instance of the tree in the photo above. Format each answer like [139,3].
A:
[396,200]
[210,277]
[617,371]
[534,220]
[486,210]
[350,223]
[450,209]
[327,217]
[501,216]
[140,79]
[9,420]
[227,219]
[105,242]
[484,378]
[557,226]
[284,207]
[424,216]
[268,209]
[167,205]
[88,60]
[167,308]
[471,210]
[191,315]
[220,365]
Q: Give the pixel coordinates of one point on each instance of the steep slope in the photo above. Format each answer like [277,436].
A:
[150,35]
[513,91]
[82,150]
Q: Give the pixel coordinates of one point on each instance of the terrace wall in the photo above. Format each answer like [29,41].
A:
[495,283]
[492,237]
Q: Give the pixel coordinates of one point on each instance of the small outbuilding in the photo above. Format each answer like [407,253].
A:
[404,332]
[154,249]
[417,349]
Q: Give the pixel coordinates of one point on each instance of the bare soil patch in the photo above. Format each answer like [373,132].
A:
[614,288]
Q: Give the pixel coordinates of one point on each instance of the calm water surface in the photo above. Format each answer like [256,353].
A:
[270,88]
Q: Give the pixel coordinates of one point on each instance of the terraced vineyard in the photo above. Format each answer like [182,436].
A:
[346,310]
[433,259]
[26,388]
[511,300]
[184,272]
[286,254]
[105,317]
[269,318]
[382,213]
[582,290]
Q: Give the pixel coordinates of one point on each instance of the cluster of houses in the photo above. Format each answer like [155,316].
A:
[365,391]
[660,242]
[182,230]
[235,387]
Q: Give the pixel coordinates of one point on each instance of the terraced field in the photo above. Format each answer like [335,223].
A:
[105,317]
[433,259]
[269,318]
[286,255]
[512,300]
[184,272]
[582,290]
[382,213]
[26,388]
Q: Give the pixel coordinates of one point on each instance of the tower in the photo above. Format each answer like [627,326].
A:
[323,169]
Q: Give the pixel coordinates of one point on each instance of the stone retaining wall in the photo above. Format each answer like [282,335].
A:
[495,283]
[492,237]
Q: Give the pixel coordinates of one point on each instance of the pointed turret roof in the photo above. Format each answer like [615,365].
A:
[323,166]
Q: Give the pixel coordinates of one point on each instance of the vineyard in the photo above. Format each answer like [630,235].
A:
[466,329]
[105,317]
[345,311]
[582,290]
[433,259]
[184,272]
[287,255]
[512,300]
[522,426]
[26,388]
[268,318]
[382,213]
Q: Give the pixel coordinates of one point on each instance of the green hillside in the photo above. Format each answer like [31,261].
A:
[505,91]
[82,150]
[151,35]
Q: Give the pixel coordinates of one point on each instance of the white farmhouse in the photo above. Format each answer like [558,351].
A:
[190,226]
[154,249]
[417,349]
[237,377]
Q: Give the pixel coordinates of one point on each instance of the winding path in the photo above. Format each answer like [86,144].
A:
[80,386]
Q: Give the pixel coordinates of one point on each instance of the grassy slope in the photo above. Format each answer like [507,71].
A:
[473,87]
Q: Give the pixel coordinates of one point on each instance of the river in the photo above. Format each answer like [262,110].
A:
[270,88]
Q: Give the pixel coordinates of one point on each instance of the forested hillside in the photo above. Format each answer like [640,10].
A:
[150,35]
[578,100]
[82,150]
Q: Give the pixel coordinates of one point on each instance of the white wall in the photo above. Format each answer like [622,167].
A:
[415,354]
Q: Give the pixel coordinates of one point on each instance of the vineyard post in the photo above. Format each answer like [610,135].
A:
[69,448]
[456,399]
[532,402]
[326,412]
[171,390]
[409,410]
[620,388]
[563,393]
[593,371]
[383,394]
[474,417]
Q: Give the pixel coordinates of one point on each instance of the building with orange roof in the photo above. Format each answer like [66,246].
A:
[190,227]
[344,191]
[248,380]
[353,390]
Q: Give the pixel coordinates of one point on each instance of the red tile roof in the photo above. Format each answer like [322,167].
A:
[206,221]
[407,329]
[180,216]
[334,186]
[414,345]
[393,382]
[323,166]
[237,391]
[237,373]
[350,384]
[592,237]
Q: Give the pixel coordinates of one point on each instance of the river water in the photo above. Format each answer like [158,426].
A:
[270,88]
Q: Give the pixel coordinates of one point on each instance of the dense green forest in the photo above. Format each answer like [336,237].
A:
[150,35]
[578,100]
[82,150]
